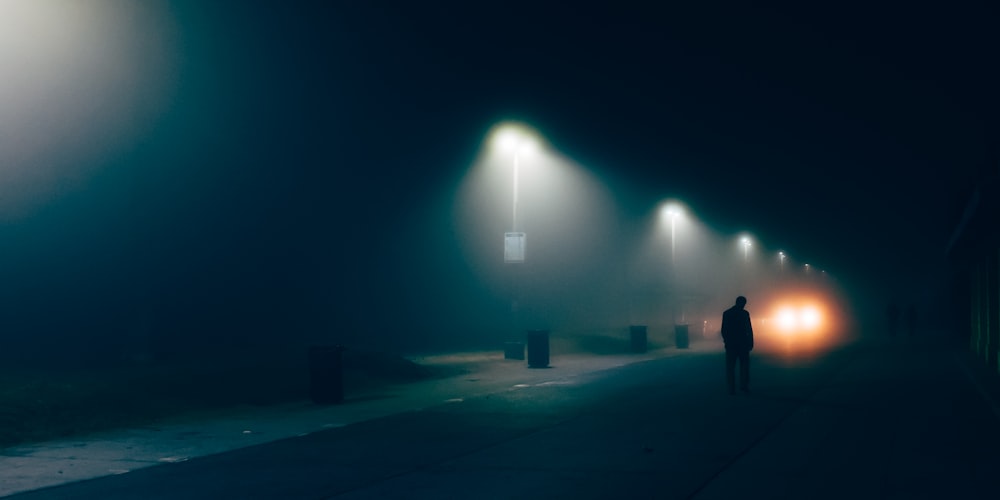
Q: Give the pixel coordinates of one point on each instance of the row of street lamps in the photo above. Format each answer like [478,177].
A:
[671,211]
[519,143]
[518,140]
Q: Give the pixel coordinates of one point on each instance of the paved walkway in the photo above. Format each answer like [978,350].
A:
[906,419]
[39,465]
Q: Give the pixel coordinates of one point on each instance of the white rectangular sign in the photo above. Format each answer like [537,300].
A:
[513,247]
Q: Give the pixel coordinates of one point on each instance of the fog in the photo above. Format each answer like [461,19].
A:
[598,260]
[177,185]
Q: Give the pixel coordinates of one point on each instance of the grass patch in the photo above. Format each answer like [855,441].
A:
[38,405]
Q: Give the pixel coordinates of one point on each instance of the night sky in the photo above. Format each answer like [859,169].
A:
[271,166]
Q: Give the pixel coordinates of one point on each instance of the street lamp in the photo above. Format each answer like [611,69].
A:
[516,140]
[781,261]
[746,248]
[672,211]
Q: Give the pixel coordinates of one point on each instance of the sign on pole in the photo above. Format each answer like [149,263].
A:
[513,247]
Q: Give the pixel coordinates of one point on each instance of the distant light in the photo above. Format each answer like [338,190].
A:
[810,318]
[798,319]
[786,319]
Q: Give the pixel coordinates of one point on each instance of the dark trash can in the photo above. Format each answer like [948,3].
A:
[513,350]
[326,374]
[538,348]
[681,336]
[637,336]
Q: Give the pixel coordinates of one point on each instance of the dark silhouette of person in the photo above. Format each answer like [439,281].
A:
[892,315]
[910,316]
[737,333]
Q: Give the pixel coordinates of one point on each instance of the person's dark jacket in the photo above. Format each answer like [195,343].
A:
[737,332]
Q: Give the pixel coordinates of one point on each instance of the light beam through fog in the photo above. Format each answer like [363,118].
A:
[82,80]
[590,266]
[568,220]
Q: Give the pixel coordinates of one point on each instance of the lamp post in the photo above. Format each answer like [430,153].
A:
[781,262]
[746,248]
[514,140]
[672,211]
[517,169]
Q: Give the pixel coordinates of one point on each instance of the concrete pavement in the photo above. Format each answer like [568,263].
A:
[907,419]
[38,465]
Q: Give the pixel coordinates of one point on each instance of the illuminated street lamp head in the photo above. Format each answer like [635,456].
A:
[671,211]
[514,138]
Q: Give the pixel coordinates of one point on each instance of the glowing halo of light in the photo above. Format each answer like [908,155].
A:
[787,320]
[82,82]
[514,138]
[810,318]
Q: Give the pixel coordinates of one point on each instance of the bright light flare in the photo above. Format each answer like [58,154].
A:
[515,138]
[799,318]
[786,319]
[671,210]
[810,318]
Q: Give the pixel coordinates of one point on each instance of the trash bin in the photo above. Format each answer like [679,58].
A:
[326,374]
[637,335]
[681,336]
[513,350]
[538,348]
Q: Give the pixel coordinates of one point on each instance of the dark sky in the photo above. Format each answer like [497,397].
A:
[272,156]
[845,135]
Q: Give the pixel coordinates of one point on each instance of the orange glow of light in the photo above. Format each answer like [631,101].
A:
[800,323]
[799,317]
[811,318]
[786,319]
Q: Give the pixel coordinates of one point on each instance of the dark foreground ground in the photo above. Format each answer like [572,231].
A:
[901,419]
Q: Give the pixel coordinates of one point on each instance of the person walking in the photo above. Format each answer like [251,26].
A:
[737,333]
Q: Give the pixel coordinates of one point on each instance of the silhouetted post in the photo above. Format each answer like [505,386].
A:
[538,348]
[681,336]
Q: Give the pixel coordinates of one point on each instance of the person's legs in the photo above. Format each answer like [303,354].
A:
[745,370]
[731,356]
